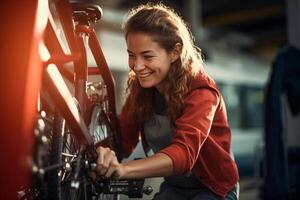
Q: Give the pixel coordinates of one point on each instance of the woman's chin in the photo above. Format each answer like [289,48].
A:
[145,84]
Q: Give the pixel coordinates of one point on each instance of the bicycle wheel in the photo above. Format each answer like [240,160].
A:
[42,132]
[103,135]
[64,153]
[53,181]
[68,180]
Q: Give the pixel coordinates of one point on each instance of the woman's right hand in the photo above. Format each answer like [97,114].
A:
[108,165]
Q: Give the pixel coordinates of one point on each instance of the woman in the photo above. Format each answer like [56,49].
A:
[176,108]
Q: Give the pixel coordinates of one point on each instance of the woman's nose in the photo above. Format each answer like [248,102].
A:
[138,66]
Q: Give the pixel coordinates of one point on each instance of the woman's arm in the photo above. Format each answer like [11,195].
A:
[192,129]
[158,165]
[154,166]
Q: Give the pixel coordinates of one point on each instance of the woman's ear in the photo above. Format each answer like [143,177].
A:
[175,54]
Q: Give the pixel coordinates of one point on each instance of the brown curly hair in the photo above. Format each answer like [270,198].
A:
[166,28]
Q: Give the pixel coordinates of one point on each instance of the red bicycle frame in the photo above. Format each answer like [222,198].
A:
[20,82]
[23,67]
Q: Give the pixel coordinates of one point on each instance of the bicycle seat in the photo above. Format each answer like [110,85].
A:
[86,11]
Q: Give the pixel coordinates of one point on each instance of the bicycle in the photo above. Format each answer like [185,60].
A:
[68,129]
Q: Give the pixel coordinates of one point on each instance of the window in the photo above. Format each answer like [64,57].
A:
[244,105]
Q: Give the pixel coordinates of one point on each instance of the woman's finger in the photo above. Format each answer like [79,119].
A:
[112,172]
[101,167]
[106,165]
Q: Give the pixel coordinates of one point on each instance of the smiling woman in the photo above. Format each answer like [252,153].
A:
[177,110]
[149,61]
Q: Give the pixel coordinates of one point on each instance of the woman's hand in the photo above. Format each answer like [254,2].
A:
[108,165]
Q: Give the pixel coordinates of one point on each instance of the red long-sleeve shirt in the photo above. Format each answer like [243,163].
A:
[202,138]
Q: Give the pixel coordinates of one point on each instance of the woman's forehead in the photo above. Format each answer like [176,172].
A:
[141,43]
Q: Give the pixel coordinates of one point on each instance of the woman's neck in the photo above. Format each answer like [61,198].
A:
[161,87]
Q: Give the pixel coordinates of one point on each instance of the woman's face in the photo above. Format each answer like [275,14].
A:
[148,59]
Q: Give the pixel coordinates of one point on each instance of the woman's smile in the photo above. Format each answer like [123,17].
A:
[144,75]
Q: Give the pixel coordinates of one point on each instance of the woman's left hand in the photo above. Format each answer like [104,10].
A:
[108,165]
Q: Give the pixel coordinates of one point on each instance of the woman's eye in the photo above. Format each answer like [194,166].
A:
[131,56]
[148,57]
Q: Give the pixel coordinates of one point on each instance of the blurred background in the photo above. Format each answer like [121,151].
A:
[239,42]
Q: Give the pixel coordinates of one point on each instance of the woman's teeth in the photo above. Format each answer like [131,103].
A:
[144,75]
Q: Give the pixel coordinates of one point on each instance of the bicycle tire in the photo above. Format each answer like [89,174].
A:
[63,144]
[42,131]
[102,134]
[53,181]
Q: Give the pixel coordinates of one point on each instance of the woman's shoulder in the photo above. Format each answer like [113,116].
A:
[203,80]
[203,87]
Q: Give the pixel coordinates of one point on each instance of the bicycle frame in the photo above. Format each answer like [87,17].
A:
[21,110]
[61,94]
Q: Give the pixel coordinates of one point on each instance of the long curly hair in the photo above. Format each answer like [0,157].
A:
[166,28]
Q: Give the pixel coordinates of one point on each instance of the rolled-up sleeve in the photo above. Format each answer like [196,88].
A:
[192,129]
